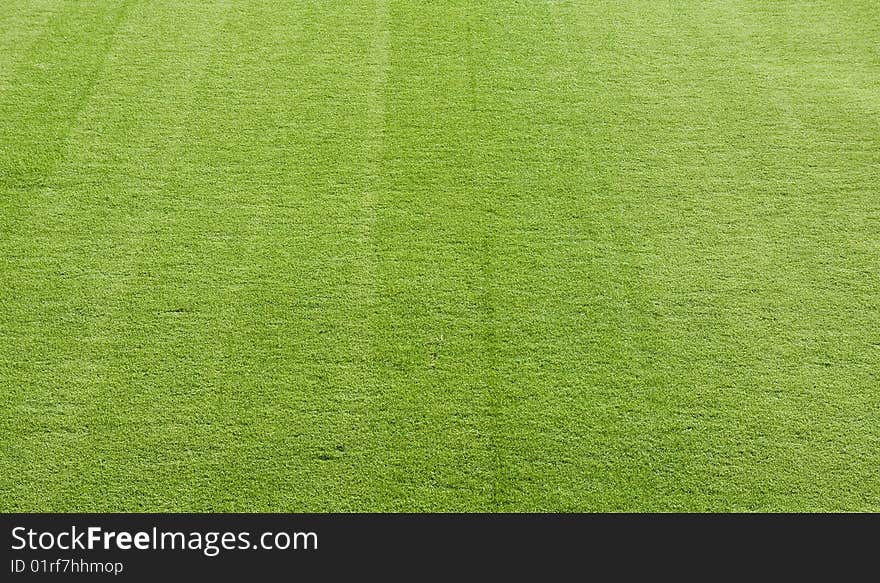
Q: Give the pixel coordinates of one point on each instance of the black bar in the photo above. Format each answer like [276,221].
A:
[395,544]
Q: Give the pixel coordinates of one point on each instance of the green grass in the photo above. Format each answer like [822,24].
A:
[380,255]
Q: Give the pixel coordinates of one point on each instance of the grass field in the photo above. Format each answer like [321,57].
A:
[385,255]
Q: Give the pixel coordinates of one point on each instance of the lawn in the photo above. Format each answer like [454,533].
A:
[268,255]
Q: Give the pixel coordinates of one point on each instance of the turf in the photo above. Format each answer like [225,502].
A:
[439,256]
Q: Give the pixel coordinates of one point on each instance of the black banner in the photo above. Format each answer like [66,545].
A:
[136,547]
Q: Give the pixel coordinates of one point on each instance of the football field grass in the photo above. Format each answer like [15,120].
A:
[391,255]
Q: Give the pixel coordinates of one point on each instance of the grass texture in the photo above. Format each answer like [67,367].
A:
[383,255]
